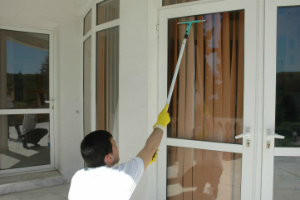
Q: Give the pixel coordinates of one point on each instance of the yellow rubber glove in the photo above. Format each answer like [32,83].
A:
[153,158]
[163,118]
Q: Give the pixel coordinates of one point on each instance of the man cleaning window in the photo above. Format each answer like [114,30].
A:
[102,179]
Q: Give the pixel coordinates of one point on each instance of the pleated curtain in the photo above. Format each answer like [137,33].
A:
[207,105]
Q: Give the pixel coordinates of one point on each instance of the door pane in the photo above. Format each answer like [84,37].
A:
[108,81]
[24,69]
[207,102]
[288,77]
[24,140]
[286,178]
[203,174]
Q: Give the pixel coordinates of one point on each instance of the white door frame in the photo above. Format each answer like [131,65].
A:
[249,88]
[270,97]
[49,110]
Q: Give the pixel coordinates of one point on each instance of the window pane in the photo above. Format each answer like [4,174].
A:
[171,2]
[207,102]
[287,120]
[108,11]
[24,140]
[87,85]
[87,22]
[203,174]
[24,69]
[286,178]
[108,80]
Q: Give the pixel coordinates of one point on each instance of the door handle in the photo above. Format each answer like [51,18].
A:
[274,135]
[245,135]
[271,135]
[48,101]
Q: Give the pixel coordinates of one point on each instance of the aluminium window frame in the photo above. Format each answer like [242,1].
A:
[93,72]
[51,32]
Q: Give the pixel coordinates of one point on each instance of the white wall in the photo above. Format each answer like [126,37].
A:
[138,85]
[59,16]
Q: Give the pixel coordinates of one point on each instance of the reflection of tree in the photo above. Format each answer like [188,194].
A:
[22,82]
[45,73]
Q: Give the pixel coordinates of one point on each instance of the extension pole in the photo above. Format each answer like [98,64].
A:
[187,31]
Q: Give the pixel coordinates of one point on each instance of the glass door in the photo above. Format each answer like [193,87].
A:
[281,152]
[207,152]
[26,100]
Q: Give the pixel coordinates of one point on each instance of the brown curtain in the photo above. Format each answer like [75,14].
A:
[207,104]
[108,80]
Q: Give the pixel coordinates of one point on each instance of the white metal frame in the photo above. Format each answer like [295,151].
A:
[206,7]
[49,110]
[93,33]
[270,44]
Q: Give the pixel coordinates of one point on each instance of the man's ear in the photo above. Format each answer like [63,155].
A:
[108,159]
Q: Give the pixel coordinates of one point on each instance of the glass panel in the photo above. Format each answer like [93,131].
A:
[87,85]
[108,81]
[203,174]
[108,11]
[286,178]
[287,121]
[24,69]
[24,140]
[87,22]
[171,2]
[207,102]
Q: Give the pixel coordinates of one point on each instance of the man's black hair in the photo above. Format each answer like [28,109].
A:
[94,147]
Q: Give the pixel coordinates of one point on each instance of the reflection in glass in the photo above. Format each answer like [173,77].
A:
[108,81]
[24,140]
[24,69]
[207,102]
[286,178]
[171,2]
[87,85]
[288,77]
[87,22]
[202,174]
[108,11]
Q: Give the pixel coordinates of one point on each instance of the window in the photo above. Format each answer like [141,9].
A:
[172,2]
[87,25]
[101,81]
[108,11]
[107,79]
[87,85]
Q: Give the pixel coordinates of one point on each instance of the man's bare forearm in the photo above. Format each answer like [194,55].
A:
[151,146]
[154,140]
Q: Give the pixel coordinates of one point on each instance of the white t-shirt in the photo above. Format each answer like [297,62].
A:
[107,183]
[29,123]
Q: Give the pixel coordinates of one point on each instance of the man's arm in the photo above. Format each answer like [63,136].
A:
[153,141]
[151,146]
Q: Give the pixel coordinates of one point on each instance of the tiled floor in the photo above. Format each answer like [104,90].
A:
[49,193]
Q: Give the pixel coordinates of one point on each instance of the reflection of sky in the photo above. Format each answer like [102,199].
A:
[288,39]
[24,59]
